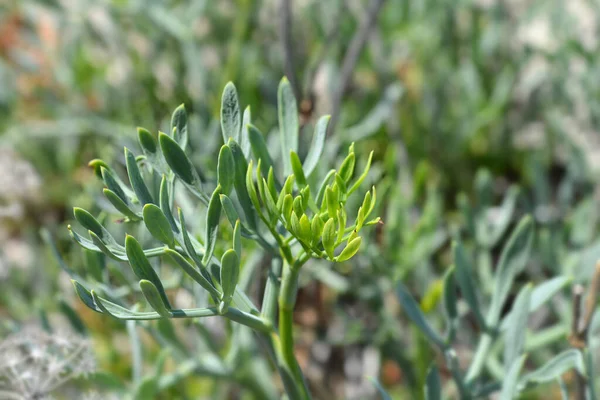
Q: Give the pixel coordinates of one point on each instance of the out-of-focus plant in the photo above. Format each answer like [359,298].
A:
[485,373]
[290,219]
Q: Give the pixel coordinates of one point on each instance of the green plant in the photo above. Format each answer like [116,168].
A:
[504,335]
[279,213]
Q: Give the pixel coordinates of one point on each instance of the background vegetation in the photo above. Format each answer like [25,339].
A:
[478,112]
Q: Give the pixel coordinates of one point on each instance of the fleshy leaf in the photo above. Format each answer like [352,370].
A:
[213,216]
[230,270]
[135,178]
[514,340]
[350,250]
[513,258]
[241,168]
[225,170]
[230,114]
[259,149]
[413,311]
[179,126]
[141,266]
[463,273]
[288,122]
[297,169]
[153,296]
[158,224]
[317,145]
[510,381]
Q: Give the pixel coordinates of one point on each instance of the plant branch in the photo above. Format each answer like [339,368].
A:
[351,59]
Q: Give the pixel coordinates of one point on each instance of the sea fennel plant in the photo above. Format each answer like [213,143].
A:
[288,216]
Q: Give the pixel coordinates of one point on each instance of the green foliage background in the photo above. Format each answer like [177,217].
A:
[461,102]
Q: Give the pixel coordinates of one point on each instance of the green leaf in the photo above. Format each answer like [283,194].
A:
[510,381]
[241,168]
[244,138]
[329,237]
[259,149]
[158,225]
[318,143]
[237,238]
[226,170]
[416,315]
[287,189]
[341,184]
[350,250]
[513,259]
[297,169]
[362,177]
[542,293]
[178,161]
[556,367]
[464,273]
[141,266]
[316,228]
[85,296]
[288,206]
[331,200]
[323,188]
[269,201]
[250,186]
[193,272]
[147,141]
[120,206]
[305,232]
[298,205]
[97,164]
[146,388]
[295,224]
[230,114]
[135,178]
[230,271]
[90,223]
[288,122]
[545,291]
[514,339]
[179,126]
[489,234]
[151,151]
[347,167]
[112,184]
[165,203]
[229,209]
[433,384]
[213,216]
[110,252]
[153,296]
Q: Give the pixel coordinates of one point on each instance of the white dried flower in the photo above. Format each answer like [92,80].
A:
[34,363]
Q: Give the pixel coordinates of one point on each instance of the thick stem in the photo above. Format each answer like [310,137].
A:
[287,301]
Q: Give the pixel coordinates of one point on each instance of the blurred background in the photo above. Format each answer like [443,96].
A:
[459,99]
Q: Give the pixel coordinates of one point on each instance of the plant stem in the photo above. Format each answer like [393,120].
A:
[287,301]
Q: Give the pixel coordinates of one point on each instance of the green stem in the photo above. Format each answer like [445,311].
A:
[287,301]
